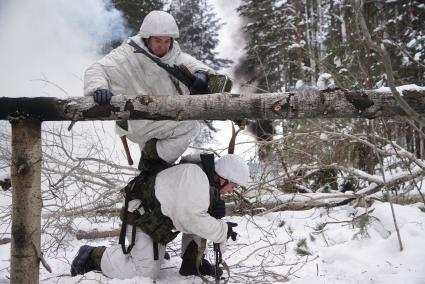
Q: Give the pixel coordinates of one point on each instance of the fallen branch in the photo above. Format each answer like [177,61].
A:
[95,234]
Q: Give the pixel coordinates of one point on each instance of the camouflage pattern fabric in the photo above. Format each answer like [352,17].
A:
[96,256]
[158,226]
[219,83]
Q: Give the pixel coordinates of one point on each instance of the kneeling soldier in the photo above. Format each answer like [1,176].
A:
[157,207]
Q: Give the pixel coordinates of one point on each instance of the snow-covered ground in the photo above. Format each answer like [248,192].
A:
[332,249]
[311,246]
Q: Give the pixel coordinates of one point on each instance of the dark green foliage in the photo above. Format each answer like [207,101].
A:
[135,11]
[393,23]
[302,248]
[267,55]
[296,40]
[198,26]
[197,22]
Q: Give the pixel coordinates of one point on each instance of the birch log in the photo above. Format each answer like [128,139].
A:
[310,103]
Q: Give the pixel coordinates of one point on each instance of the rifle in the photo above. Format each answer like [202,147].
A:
[181,72]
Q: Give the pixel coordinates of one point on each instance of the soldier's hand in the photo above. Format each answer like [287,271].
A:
[200,85]
[102,96]
[230,233]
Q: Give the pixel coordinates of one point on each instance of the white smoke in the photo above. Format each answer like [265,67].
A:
[46,45]
[231,36]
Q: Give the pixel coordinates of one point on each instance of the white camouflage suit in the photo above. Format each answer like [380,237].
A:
[183,192]
[124,72]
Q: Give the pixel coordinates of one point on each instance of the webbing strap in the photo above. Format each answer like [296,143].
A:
[155,251]
[208,166]
[124,231]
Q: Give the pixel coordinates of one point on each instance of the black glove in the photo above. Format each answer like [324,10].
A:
[200,85]
[102,96]
[230,233]
[219,209]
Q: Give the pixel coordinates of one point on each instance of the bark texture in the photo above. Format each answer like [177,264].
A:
[27,203]
[308,103]
[95,234]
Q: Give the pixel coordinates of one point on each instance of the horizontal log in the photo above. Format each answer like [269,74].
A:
[309,103]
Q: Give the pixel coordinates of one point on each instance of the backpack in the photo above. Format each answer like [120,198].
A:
[152,222]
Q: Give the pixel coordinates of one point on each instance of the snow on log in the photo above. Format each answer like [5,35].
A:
[310,103]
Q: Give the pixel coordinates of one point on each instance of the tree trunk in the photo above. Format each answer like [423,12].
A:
[27,202]
[310,103]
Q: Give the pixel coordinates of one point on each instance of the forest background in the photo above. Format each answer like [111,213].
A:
[348,174]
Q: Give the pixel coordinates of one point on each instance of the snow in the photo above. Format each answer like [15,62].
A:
[339,252]
[411,43]
[410,87]
[299,84]
[47,45]
[4,174]
[337,61]
[325,81]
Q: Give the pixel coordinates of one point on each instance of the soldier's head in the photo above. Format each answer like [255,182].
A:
[232,171]
[158,31]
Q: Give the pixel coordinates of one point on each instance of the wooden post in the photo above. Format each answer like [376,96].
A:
[27,202]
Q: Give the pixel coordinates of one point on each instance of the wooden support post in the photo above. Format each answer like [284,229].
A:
[27,202]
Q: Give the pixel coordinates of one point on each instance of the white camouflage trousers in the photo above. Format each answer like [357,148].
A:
[173,136]
[140,261]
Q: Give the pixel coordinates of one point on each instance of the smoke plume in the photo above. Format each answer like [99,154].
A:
[46,45]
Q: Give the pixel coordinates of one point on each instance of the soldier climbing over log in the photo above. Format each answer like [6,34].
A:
[164,199]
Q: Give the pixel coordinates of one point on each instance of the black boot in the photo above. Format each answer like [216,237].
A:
[188,266]
[87,259]
[150,162]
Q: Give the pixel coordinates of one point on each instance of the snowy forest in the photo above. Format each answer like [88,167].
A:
[330,200]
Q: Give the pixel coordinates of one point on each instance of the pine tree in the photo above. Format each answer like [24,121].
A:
[198,26]
[135,11]
[356,66]
[259,23]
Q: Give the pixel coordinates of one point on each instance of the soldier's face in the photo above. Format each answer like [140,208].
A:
[159,45]
[231,186]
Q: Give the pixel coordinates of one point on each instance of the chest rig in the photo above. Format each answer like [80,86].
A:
[152,222]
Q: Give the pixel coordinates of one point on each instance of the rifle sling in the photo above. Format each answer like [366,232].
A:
[124,230]
[179,75]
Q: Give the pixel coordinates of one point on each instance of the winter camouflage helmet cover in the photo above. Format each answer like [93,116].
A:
[233,168]
[159,23]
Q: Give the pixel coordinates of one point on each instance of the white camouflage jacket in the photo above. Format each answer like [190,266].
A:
[124,72]
[184,194]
